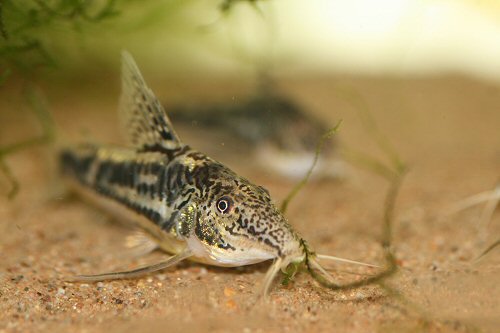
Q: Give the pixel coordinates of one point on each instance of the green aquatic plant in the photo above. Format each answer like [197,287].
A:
[47,135]
[38,34]
[27,30]
[394,173]
[395,177]
[296,189]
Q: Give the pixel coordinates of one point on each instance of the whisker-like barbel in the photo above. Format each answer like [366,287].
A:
[333,258]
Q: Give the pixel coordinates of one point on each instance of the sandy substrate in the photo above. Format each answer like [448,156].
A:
[446,129]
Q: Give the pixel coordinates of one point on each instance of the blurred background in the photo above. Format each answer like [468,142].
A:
[234,37]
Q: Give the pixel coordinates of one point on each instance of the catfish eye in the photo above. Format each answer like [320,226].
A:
[224,204]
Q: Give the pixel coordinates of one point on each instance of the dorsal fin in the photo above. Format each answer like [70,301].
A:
[143,117]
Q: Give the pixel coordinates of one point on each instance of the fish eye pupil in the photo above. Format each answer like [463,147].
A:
[224,204]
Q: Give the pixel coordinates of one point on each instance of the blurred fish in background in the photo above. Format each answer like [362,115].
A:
[283,134]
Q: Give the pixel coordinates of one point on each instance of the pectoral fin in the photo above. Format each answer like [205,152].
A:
[140,243]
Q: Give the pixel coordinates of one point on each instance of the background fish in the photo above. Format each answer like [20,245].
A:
[283,135]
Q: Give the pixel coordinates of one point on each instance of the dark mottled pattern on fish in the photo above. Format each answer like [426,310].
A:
[146,178]
[143,177]
[219,215]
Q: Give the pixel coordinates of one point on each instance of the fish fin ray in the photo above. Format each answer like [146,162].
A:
[138,272]
[142,115]
[140,243]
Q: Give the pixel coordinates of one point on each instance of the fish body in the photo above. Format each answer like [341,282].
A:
[187,202]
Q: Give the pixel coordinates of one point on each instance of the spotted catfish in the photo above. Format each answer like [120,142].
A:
[190,205]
